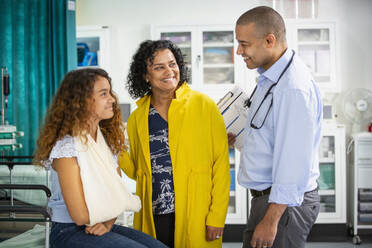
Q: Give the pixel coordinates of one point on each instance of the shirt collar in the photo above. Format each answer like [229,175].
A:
[276,69]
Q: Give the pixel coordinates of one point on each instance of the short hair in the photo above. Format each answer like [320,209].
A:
[266,20]
[136,83]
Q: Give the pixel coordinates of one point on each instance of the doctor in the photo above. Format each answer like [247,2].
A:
[279,158]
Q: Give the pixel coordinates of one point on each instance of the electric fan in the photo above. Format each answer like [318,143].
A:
[358,107]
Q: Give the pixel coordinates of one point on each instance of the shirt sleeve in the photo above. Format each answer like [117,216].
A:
[293,158]
[64,148]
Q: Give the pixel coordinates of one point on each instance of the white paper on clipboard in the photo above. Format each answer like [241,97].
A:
[235,113]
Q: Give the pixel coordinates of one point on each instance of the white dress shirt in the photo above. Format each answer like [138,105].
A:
[283,153]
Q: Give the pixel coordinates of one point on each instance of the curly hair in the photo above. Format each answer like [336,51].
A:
[136,83]
[69,113]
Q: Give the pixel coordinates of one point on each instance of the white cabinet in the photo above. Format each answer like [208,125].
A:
[332,180]
[237,210]
[360,201]
[93,46]
[315,43]
[210,55]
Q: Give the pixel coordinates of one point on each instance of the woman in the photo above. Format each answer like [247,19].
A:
[178,147]
[82,133]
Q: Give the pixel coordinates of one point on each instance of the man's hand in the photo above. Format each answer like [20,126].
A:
[98,229]
[264,234]
[214,233]
[231,139]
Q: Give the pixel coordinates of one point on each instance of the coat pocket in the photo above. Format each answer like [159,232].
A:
[198,200]
[140,220]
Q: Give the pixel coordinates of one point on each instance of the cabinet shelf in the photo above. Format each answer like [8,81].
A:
[217,44]
[184,46]
[364,226]
[218,65]
[321,74]
[327,192]
[327,160]
[313,43]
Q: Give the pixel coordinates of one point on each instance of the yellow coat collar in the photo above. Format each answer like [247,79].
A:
[181,93]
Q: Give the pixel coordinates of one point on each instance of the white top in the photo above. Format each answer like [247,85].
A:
[64,148]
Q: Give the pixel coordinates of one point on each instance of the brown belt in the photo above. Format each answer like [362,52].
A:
[256,193]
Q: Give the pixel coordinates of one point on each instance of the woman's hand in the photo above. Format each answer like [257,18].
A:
[214,233]
[98,229]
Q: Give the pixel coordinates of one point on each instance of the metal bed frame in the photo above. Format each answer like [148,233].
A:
[13,209]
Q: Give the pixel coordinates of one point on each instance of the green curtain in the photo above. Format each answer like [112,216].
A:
[38,46]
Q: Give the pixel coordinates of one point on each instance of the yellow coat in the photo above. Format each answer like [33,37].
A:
[201,173]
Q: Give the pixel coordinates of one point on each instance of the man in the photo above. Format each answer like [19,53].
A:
[279,158]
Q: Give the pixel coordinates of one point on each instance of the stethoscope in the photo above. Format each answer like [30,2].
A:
[248,102]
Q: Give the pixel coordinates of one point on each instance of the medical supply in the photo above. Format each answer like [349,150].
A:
[8,133]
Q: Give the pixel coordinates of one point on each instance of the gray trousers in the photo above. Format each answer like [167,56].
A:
[294,225]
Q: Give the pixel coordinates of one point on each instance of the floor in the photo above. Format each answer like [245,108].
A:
[313,245]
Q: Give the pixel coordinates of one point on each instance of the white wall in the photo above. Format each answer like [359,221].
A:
[353,34]
[130,20]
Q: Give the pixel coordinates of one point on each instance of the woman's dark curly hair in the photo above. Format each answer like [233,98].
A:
[136,83]
[70,111]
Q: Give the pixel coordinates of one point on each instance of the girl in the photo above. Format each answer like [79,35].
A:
[82,134]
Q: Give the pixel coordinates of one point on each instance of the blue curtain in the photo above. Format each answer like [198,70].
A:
[38,46]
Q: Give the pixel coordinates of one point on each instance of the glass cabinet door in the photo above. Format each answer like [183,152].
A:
[218,57]
[232,202]
[209,52]
[314,49]
[237,208]
[93,47]
[183,41]
[332,178]
[88,50]
[326,180]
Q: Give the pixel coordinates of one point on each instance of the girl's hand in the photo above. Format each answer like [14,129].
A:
[98,229]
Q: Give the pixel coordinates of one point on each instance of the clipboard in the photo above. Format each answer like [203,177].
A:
[235,113]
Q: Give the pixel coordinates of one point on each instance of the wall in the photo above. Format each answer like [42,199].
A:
[130,21]
[354,22]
